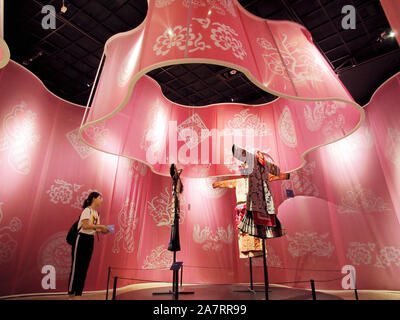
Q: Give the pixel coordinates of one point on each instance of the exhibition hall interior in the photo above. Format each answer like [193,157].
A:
[200,150]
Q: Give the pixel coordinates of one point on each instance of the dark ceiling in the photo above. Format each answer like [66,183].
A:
[66,59]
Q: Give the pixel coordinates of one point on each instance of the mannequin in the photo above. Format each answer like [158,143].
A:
[250,245]
[177,189]
[174,241]
[255,211]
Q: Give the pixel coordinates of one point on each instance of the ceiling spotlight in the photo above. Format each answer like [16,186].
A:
[63,8]
[209,12]
[233,71]
[386,35]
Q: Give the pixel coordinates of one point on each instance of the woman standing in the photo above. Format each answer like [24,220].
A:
[177,188]
[89,224]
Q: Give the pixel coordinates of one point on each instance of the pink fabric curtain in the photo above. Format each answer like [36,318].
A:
[277,56]
[345,211]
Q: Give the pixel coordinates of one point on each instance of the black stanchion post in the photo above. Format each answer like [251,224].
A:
[314,296]
[108,281]
[182,276]
[115,288]
[173,273]
[176,287]
[356,293]
[251,274]
[265,270]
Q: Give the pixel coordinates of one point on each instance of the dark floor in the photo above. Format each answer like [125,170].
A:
[225,292]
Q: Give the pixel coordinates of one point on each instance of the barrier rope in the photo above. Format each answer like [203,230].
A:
[221,268]
[285,282]
[224,268]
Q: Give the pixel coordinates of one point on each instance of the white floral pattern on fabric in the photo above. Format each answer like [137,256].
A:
[177,38]
[19,136]
[358,200]
[160,258]
[127,222]
[303,243]
[97,133]
[160,208]
[287,131]
[317,117]
[224,38]
[299,62]
[8,245]
[212,240]
[205,23]
[227,5]
[61,192]
[392,150]
[64,192]
[247,121]
[168,39]
[82,149]
[56,252]
[362,254]
[386,256]
[334,128]
[218,6]
[195,124]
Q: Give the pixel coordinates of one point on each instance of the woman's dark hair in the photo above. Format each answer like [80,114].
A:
[90,198]
[172,170]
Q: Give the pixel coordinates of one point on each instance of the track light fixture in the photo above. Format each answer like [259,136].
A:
[30,60]
[389,34]
[63,8]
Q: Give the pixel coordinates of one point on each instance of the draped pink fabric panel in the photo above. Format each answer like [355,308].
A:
[284,128]
[277,56]
[345,210]
[45,172]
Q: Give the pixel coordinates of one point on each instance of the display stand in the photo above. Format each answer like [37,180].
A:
[266,283]
[174,243]
[175,280]
[251,289]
